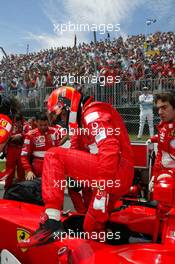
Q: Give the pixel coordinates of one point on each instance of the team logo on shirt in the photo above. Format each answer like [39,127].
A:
[40,141]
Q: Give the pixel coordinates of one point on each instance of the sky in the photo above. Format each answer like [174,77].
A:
[37,23]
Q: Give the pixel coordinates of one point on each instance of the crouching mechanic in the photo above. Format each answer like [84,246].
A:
[36,143]
[162,183]
[113,164]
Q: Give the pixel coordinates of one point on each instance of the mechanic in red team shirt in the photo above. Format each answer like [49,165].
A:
[113,161]
[32,122]
[36,143]
[13,151]
[162,183]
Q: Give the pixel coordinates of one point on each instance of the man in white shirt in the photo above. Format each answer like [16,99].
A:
[146,101]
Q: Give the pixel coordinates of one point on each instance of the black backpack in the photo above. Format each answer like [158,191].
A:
[25,191]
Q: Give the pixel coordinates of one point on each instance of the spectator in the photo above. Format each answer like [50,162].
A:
[146,111]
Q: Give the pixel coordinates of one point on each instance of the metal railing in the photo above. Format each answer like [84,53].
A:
[123,96]
[126,93]
[119,95]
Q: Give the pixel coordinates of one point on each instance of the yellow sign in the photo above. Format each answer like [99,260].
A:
[22,234]
[152,52]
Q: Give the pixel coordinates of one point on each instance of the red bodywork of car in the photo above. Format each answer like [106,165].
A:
[14,215]
[136,217]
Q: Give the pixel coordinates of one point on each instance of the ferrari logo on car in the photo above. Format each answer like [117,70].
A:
[22,234]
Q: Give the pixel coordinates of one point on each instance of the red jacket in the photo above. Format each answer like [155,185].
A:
[165,158]
[36,144]
[105,131]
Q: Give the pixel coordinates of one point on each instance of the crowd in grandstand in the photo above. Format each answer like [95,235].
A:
[135,59]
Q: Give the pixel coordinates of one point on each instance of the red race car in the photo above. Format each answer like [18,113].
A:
[136,233]
[144,237]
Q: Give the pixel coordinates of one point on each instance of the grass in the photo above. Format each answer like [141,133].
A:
[2,165]
[133,137]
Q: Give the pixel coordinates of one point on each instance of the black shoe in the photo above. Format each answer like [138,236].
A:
[49,231]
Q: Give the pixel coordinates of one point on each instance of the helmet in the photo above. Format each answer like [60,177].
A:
[65,97]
